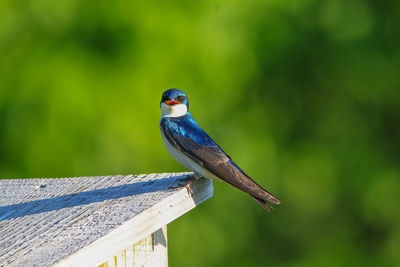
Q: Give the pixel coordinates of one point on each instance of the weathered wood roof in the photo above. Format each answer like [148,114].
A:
[57,221]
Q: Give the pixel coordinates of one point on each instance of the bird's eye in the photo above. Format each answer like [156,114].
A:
[181,98]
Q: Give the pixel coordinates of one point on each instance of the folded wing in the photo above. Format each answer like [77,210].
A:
[199,147]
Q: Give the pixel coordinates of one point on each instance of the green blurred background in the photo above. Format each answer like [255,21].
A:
[303,94]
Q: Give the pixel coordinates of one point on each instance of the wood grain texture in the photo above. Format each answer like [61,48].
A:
[150,251]
[84,221]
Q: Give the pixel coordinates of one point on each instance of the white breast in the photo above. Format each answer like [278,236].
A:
[185,161]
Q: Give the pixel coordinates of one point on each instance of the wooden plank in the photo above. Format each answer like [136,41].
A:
[150,251]
[86,220]
[149,221]
[160,248]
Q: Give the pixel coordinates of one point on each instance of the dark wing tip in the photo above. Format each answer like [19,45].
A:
[266,204]
[274,200]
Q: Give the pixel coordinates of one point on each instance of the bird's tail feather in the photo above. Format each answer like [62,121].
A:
[264,204]
[266,200]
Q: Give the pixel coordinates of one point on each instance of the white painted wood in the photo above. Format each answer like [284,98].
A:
[150,251]
[86,221]
[160,248]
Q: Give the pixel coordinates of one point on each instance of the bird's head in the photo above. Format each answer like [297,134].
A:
[174,103]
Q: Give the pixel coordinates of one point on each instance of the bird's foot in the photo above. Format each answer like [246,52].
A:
[189,190]
[192,177]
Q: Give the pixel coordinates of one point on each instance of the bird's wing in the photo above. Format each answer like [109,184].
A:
[191,140]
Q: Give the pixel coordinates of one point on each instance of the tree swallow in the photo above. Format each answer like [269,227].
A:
[194,149]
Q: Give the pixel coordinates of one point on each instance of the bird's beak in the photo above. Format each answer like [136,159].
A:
[169,102]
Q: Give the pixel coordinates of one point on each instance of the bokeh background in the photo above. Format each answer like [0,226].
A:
[303,94]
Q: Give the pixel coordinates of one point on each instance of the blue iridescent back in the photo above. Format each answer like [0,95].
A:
[186,126]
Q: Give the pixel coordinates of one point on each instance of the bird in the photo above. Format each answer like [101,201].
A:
[192,147]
